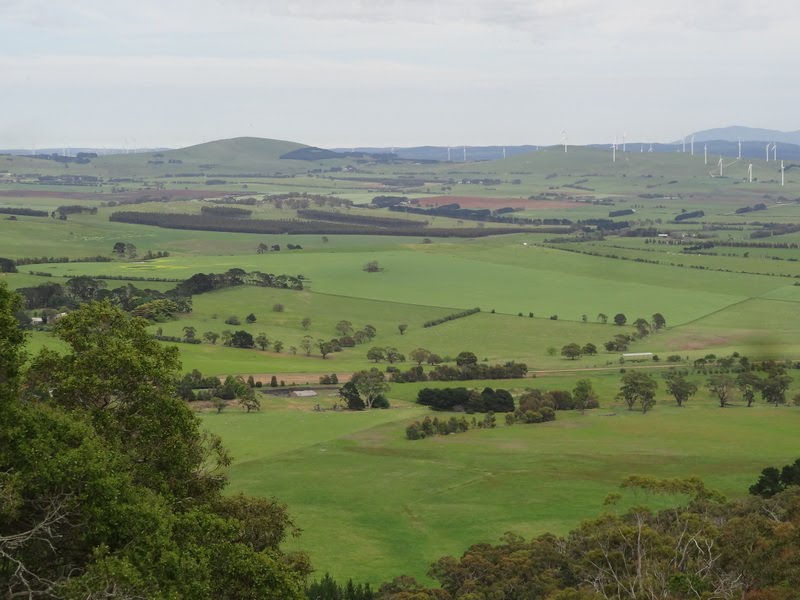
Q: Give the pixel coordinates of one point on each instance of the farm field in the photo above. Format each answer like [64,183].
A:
[369,501]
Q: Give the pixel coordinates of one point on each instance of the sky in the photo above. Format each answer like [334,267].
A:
[331,73]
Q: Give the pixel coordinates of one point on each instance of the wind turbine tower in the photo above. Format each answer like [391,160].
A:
[684,143]
[624,147]
[750,172]
[504,152]
[692,144]
[614,150]
[720,166]
[774,150]
[705,152]
[448,154]
[783,175]
[564,139]
[767,152]
[740,149]
[465,154]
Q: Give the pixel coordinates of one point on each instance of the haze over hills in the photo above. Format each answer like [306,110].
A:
[735,133]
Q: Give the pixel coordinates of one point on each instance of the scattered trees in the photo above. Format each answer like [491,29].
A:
[306,323]
[420,355]
[402,328]
[620,319]
[278,308]
[250,319]
[211,337]
[307,344]
[262,341]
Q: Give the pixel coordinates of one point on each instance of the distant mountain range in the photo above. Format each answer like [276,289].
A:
[721,141]
[747,134]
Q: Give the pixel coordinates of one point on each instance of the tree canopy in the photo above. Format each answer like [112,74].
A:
[110,488]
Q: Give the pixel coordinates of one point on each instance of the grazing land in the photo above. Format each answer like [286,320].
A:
[577,240]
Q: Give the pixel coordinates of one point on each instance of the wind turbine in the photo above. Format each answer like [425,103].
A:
[720,166]
[504,152]
[774,150]
[705,152]
[740,149]
[465,154]
[448,154]
[564,139]
[692,144]
[624,147]
[767,152]
[651,149]
[750,172]
[783,175]
[684,143]
[614,150]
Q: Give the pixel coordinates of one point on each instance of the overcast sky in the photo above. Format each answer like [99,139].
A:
[392,72]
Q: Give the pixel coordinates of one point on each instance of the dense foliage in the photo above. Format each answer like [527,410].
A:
[109,488]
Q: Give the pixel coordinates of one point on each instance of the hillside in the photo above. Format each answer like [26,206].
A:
[735,133]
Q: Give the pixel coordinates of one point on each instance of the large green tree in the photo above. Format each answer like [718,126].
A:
[109,488]
[638,388]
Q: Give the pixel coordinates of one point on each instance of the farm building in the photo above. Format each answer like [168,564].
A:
[304,393]
[637,356]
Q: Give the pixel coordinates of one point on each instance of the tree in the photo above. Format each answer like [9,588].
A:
[642,326]
[370,331]
[402,328]
[211,337]
[638,388]
[722,387]
[262,341]
[584,318]
[307,344]
[277,346]
[251,318]
[571,351]
[349,394]
[434,359]
[376,354]
[748,383]
[219,404]
[679,387]
[273,381]
[325,347]
[242,339]
[306,323]
[370,384]
[584,395]
[130,250]
[227,335]
[659,322]
[602,318]
[84,289]
[620,319]
[277,308]
[420,355]
[344,327]
[262,248]
[233,320]
[119,248]
[393,355]
[372,267]
[551,351]
[589,349]
[106,476]
[773,387]
[466,359]
[189,333]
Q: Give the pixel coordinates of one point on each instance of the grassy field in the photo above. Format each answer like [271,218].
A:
[372,504]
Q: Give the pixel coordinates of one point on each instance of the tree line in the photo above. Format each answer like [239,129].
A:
[294,226]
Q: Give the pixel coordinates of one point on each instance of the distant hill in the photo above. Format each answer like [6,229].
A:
[747,134]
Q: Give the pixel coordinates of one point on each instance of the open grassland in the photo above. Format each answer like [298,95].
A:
[371,502]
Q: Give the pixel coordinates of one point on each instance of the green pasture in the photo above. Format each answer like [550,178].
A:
[371,503]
